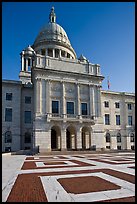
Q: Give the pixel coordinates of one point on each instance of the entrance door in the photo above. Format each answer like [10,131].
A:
[68,140]
[53,139]
[83,141]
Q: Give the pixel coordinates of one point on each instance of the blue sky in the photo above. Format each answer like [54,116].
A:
[104,32]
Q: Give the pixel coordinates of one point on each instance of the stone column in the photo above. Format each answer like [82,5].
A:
[79,139]
[78,100]
[26,64]
[63,139]
[59,53]
[37,96]
[58,141]
[63,100]
[87,139]
[99,102]
[73,140]
[93,101]
[113,143]
[90,100]
[48,97]
[128,144]
[43,101]
[22,62]
[53,53]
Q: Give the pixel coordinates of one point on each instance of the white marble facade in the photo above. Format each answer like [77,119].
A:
[52,75]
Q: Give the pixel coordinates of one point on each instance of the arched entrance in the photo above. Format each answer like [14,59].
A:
[86,138]
[55,138]
[70,138]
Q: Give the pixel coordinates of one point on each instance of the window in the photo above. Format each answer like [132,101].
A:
[107,147]
[118,137]
[56,53]
[7,149]
[129,120]
[133,147]
[8,114]
[27,116]
[70,107]
[8,137]
[9,96]
[117,119]
[132,138]
[107,120]
[27,138]
[107,137]
[84,108]
[43,51]
[55,107]
[27,99]
[50,52]
[62,53]
[68,55]
[27,148]
[129,106]
[106,103]
[117,105]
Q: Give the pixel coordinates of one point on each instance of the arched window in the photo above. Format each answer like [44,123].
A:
[27,138]
[107,137]
[132,137]
[118,137]
[8,137]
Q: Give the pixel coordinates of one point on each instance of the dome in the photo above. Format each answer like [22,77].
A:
[82,58]
[52,32]
[29,48]
[52,35]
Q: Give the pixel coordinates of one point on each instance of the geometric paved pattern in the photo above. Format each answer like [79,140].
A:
[88,177]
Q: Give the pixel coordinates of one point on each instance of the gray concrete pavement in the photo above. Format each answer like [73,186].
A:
[11,164]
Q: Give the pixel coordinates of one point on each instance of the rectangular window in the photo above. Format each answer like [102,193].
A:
[43,51]
[56,53]
[27,116]
[55,107]
[106,103]
[117,105]
[129,106]
[27,99]
[84,108]
[70,107]
[9,96]
[50,52]
[8,114]
[117,119]
[107,120]
[129,120]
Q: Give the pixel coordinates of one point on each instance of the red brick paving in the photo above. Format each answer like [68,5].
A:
[86,184]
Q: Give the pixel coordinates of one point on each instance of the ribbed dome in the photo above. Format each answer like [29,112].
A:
[52,32]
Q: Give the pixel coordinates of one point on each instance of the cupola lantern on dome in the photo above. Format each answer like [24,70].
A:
[52,16]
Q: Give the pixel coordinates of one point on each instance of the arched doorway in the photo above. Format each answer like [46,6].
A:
[86,140]
[70,138]
[55,138]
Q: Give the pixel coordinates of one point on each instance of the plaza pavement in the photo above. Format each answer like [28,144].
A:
[14,165]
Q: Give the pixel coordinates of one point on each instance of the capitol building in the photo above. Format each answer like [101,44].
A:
[58,102]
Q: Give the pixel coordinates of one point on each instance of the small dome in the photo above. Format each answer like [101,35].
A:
[82,58]
[29,48]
